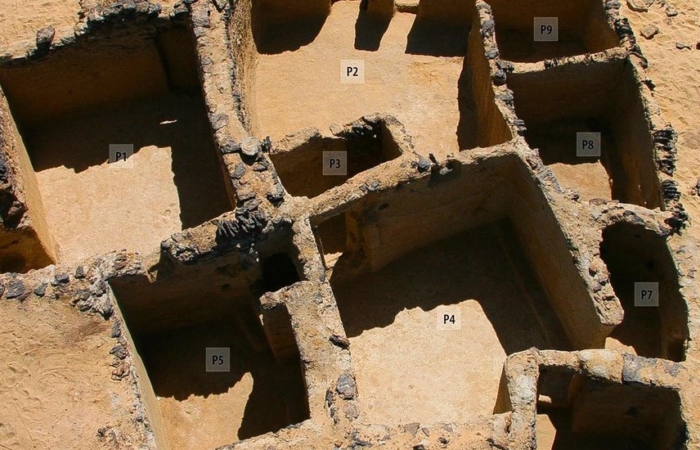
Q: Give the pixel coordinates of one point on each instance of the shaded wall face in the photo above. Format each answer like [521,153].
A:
[300,21]
[453,12]
[80,79]
[25,240]
[545,246]
[491,127]
[639,183]
[643,412]
[394,223]
[564,92]
[186,299]
[240,31]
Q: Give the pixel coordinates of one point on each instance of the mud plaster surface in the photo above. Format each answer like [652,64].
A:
[452,375]
[302,88]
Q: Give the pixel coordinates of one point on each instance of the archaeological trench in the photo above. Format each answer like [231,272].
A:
[462,194]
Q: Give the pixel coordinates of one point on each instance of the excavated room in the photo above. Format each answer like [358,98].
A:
[472,244]
[416,64]
[131,84]
[187,314]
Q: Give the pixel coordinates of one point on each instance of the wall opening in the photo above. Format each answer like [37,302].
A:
[634,254]
[278,271]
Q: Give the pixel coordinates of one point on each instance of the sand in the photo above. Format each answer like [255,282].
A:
[54,372]
[299,89]
[675,74]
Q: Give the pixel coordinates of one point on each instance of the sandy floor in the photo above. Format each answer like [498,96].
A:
[54,372]
[206,410]
[302,88]
[93,207]
[451,375]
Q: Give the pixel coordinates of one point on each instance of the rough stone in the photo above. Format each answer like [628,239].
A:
[638,5]
[40,290]
[62,278]
[250,146]
[44,37]
[650,31]
[15,289]
[346,387]
[339,341]
[80,273]
[423,164]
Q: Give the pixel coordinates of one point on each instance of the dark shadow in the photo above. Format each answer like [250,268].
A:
[595,414]
[175,360]
[272,39]
[278,271]
[369,29]
[633,254]
[520,46]
[566,439]
[285,385]
[178,121]
[485,265]
[466,127]
[437,38]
